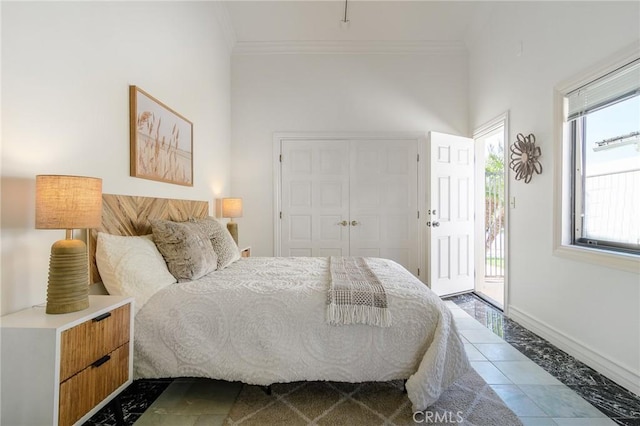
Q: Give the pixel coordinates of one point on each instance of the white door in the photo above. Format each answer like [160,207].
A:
[383,208]
[450,229]
[350,198]
[315,198]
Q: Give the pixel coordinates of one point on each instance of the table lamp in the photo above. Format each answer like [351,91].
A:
[68,202]
[232,207]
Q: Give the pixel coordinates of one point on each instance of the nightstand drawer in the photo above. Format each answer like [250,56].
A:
[86,389]
[85,343]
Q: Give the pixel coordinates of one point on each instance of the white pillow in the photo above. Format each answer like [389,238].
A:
[131,266]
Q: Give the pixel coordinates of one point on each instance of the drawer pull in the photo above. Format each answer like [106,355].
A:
[101,361]
[101,317]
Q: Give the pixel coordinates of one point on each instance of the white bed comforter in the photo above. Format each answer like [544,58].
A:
[262,321]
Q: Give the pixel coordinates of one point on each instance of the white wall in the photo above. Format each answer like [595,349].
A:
[592,311]
[66,68]
[327,93]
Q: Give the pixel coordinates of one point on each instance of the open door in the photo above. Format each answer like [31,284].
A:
[450,226]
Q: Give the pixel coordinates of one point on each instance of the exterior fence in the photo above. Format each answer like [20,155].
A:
[612,207]
[494,225]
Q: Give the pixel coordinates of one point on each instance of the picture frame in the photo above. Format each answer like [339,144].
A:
[161,140]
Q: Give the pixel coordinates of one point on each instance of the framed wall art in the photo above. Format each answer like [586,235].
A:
[161,140]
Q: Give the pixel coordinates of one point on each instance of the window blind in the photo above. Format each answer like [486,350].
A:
[616,86]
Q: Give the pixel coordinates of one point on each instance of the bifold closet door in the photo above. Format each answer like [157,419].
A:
[383,205]
[315,198]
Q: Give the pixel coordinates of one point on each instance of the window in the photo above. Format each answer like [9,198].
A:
[603,123]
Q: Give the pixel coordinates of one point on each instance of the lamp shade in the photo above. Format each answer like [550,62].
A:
[68,202]
[232,207]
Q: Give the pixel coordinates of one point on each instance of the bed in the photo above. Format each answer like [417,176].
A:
[263,320]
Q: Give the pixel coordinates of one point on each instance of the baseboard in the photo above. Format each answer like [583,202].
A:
[616,372]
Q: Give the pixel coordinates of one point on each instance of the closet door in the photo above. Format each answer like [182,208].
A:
[315,198]
[353,197]
[383,207]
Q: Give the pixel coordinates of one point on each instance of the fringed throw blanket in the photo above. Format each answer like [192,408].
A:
[356,295]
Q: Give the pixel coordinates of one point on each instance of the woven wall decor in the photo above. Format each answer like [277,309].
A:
[524,157]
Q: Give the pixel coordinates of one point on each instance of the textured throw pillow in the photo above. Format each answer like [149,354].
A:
[131,266]
[186,249]
[222,241]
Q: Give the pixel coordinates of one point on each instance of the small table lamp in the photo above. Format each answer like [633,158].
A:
[232,207]
[68,202]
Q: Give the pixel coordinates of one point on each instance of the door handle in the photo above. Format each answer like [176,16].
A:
[343,223]
[355,223]
[435,224]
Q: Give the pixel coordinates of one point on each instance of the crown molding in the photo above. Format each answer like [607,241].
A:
[348,47]
[226,25]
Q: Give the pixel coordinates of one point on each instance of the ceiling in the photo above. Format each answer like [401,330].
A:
[393,21]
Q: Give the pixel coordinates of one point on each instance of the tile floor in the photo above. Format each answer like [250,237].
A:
[508,357]
[192,402]
[617,403]
[533,394]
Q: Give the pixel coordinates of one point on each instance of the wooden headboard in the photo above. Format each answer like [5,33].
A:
[129,215]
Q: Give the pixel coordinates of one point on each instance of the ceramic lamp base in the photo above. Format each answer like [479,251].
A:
[233,230]
[68,289]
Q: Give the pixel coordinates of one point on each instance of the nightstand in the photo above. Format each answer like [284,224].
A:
[245,252]
[61,369]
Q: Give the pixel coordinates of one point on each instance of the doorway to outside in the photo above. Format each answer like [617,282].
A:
[492,211]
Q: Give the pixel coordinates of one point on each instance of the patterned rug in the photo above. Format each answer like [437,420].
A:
[470,401]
